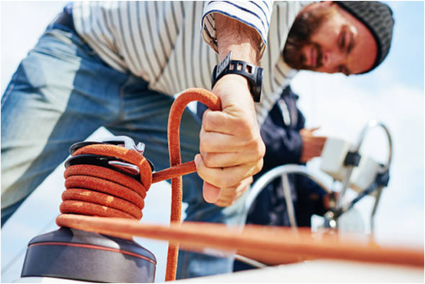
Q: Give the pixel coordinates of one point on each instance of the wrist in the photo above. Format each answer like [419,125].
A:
[252,74]
[243,52]
[236,81]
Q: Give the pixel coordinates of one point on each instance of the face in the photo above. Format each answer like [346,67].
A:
[326,38]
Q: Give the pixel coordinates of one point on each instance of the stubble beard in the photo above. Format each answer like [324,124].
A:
[304,26]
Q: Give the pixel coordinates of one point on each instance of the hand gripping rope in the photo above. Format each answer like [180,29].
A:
[99,191]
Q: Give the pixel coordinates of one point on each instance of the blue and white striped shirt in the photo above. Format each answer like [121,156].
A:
[161,42]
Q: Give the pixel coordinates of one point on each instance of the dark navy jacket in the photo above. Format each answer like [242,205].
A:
[280,133]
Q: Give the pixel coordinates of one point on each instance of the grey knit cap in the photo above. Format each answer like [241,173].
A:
[378,18]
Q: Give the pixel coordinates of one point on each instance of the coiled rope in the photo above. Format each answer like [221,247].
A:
[98,191]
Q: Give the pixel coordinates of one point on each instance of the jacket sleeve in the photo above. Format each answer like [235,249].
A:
[255,14]
[310,196]
[283,145]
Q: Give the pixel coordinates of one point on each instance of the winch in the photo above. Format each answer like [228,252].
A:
[92,190]
[110,178]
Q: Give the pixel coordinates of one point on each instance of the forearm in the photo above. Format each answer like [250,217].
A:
[242,40]
[231,149]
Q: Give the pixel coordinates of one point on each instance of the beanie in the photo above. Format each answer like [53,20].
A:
[378,18]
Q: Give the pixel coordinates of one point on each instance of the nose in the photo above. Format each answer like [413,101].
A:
[331,58]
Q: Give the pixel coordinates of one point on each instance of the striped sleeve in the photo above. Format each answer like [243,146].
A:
[255,14]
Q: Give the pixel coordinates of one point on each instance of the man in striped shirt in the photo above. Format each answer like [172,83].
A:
[118,65]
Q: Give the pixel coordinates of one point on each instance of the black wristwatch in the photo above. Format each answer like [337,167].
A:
[252,73]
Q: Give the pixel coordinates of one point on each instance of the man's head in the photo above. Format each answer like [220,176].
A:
[347,37]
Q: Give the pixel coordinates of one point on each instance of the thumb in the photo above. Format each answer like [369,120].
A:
[314,129]
[211,193]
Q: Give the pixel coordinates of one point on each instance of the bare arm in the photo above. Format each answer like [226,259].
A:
[242,40]
[230,143]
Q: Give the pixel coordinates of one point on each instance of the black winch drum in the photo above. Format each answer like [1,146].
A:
[85,256]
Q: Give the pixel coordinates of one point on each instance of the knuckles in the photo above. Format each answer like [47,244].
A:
[258,167]
[227,181]
[243,126]
[246,142]
[260,149]
[209,160]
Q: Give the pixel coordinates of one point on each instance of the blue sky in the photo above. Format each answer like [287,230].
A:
[393,93]
[407,56]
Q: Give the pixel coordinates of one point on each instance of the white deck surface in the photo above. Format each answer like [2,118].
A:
[321,271]
[318,271]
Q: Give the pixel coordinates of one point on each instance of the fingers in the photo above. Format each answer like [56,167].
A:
[224,177]
[312,147]
[227,160]
[305,133]
[231,148]
[317,142]
[211,193]
[308,132]
[233,121]
[223,150]
[230,195]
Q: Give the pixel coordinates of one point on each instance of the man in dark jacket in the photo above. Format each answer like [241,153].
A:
[287,142]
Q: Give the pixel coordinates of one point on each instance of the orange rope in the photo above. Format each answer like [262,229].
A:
[271,245]
[98,191]
[176,113]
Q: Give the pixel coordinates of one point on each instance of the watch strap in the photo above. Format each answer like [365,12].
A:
[252,73]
